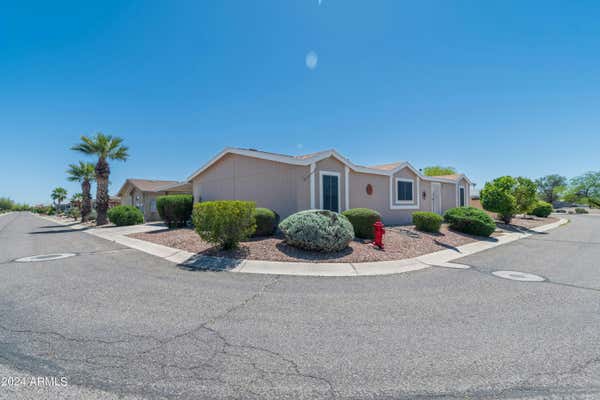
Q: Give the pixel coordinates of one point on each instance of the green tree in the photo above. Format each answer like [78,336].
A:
[550,187]
[508,196]
[105,147]
[437,170]
[497,196]
[58,195]
[585,189]
[6,204]
[83,173]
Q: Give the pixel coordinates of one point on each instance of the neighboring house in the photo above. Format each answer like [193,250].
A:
[326,180]
[142,193]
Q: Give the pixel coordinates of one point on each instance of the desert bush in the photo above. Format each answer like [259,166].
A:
[580,210]
[362,220]
[427,221]
[225,223]
[317,230]
[541,209]
[125,215]
[508,196]
[470,220]
[266,221]
[175,209]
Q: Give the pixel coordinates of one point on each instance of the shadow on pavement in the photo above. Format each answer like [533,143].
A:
[200,262]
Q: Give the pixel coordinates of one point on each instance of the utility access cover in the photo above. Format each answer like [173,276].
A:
[518,276]
[45,257]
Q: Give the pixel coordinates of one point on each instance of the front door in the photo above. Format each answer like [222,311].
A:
[436,197]
[330,193]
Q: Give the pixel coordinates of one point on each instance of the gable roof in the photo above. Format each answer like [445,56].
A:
[308,159]
[146,185]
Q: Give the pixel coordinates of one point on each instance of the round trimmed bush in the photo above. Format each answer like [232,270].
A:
[125,215]
[541,209]
[362,220]
[427,221]
[266,221]
[470,220]
[175,209]
[317,230]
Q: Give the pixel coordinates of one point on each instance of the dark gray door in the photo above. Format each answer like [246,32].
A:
[330,189]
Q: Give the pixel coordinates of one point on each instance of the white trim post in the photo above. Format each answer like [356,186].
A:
[312,185]
[347,186]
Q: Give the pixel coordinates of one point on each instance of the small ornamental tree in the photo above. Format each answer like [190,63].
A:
[508,196]
[525,194]
[497,196]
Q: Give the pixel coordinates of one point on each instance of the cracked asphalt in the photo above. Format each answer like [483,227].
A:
[118,323]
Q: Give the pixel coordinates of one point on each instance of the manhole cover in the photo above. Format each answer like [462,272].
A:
[45,257]
[518,276]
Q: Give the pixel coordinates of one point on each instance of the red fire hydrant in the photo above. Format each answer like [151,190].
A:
[379,232]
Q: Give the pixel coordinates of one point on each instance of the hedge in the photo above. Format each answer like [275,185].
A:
[125,215]
[427,221]
[580,210]
[225,222]
[362,220]
[175,209]
[541,209]
[266,221]
[470,220]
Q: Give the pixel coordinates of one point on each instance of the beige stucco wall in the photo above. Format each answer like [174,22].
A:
[448,196]
[280,187]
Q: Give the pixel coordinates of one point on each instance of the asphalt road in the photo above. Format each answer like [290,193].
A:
[118,323]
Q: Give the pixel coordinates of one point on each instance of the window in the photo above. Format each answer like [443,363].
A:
[153,205]
[461,196]
[404,190]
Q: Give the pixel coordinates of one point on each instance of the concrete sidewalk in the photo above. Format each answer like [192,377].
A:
[193,261]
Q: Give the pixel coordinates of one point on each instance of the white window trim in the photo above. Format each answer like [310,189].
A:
[395,204]
[347,186]
[330,173]
[465,195]
[312,185]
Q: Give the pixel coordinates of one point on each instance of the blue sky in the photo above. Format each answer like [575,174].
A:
[491,88]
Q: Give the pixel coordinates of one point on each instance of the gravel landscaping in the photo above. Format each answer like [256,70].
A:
[400,243]
[524,223]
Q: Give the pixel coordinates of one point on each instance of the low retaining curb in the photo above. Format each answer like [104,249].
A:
[193,261]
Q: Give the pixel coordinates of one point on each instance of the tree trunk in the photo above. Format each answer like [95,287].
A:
[102,174]
[86,201]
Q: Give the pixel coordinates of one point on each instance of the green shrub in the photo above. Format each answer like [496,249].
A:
[92,215]
[541,209]
[427,221]
[175,209]
[266,221]
[470,220]
[125,215]
[317,230]
[225,222]
[580,210]
[362,220]
[74,213]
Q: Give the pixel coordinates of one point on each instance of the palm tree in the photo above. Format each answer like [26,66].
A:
[85,174]
[58,195]
[105,147]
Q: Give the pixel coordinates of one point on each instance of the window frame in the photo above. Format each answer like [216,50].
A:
[321,191]
[464,198]
[408,180]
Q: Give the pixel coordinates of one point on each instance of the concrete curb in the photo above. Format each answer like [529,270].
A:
[193,261]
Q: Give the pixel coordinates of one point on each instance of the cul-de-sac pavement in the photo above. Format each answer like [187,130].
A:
[119,323]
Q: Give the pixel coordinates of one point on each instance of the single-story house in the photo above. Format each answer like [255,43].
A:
[326,180]
[142,193]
